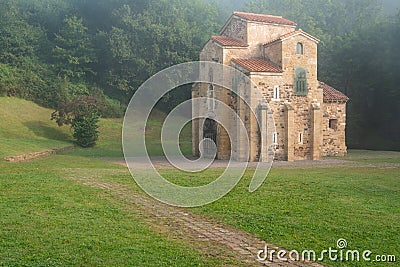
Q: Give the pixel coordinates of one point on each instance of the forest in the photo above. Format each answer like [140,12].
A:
[52,51]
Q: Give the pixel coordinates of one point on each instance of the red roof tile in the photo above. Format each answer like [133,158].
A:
[331,94]
[300,31]
[257,65]
[265,18]
[228,41]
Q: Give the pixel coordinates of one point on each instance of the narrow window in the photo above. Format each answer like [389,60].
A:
[299,49]
[333,124]
[235,83]
[210,98]
[300,138]
[300,82]
[275,138]
[276,92]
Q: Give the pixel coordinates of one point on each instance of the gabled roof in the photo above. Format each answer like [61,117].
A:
[331,94]
[294,33]
[256,65]
[264,18]
[228,41]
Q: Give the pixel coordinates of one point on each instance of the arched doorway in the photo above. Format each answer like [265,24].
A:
[210,138]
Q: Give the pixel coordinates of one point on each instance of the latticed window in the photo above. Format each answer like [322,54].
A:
[300,81]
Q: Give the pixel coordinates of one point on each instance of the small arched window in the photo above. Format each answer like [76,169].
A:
[299,49]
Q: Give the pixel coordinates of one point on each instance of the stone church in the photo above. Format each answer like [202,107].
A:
[309,116]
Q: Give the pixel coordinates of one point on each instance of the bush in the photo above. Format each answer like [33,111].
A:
[83,115]
[85,129]
[110,108]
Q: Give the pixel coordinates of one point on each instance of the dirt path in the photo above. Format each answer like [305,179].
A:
[210,237]
[163,163]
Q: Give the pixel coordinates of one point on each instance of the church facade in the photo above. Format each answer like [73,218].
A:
[309,116]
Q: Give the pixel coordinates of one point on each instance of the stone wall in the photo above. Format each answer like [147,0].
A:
[236,28]
[291,60]
[211,51]
[274,53]
[293,115]
[334,139]
[39,154]
[302,116]
[260,33]
[255,34]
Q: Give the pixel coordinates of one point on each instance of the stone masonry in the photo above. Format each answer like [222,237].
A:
[309,116]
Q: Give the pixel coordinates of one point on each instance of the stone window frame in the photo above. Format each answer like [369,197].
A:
[275,138]
[301,138]
[333,124]
[276,93]
[300,81]
[299,48]
[211,97]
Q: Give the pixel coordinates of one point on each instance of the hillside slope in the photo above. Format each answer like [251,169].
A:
[26,127]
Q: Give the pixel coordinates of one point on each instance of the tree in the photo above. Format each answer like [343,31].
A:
[82,114]
[163,34]
[74,50]
[19,41]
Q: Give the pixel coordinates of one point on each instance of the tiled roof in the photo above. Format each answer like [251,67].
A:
[257,65]
[300,31]
[264,18]
[228,41]
[331,94]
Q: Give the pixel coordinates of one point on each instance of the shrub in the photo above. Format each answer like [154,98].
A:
[85,129]
[82,114]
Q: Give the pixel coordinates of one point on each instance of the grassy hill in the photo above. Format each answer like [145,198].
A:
[26,127]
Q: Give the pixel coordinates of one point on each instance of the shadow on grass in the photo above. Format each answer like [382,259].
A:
[41,129]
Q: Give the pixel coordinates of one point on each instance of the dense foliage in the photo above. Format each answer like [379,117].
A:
[55,50]
[52,51]
[82,114]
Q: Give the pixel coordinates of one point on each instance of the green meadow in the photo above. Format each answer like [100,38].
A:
[48,219]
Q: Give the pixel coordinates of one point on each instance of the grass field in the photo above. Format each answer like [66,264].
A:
[312,208]
[49,220]
[26,127]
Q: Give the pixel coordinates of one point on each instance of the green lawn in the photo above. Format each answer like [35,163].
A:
[49,220]
[373,156]
[109,144]
[26,127]
[311,208]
